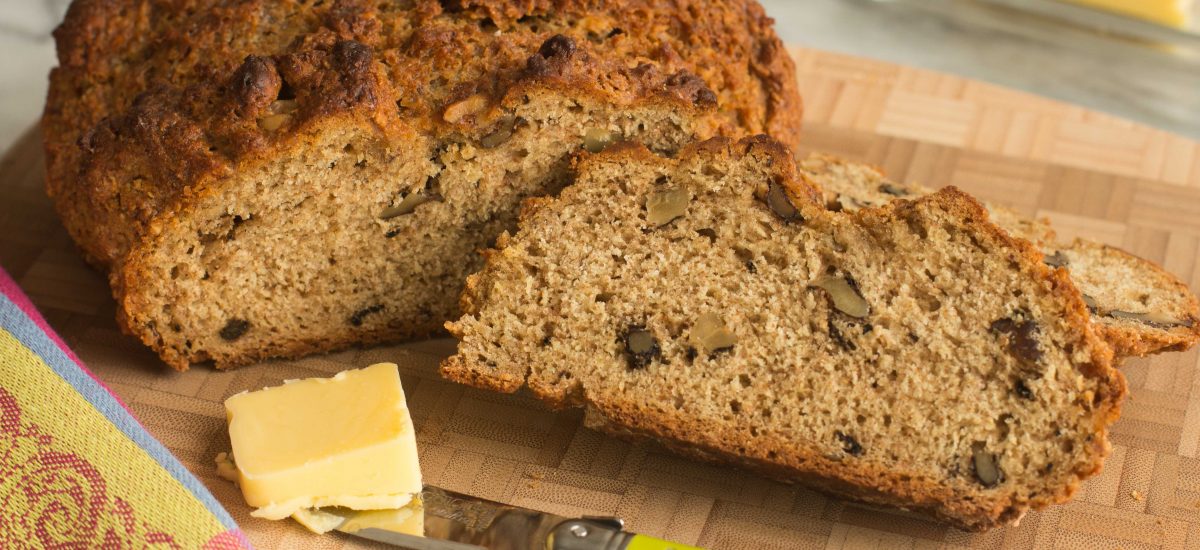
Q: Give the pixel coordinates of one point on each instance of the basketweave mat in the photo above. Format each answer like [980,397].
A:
[1093,175]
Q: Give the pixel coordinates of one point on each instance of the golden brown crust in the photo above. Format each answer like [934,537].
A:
[783,459]
[153,99]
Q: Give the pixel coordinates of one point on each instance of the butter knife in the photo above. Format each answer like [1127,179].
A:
[454,521]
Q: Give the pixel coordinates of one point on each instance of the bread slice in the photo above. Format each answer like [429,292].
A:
[912,355]
[273,178]
[1137,307]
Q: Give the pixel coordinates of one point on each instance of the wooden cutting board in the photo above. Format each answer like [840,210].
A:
[1092,174]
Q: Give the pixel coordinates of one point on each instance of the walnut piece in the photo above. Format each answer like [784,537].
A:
[844,295]
[710,333]
[461,109]
[407,205]
[597,139]
[278,113]
[664,206]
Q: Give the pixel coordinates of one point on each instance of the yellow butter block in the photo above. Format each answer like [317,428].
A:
[1172,13]
[321,442]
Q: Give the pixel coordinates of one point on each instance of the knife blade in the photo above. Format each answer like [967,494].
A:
[455,521]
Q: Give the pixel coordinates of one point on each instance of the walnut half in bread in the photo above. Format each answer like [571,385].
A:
[273,178]
[912,355]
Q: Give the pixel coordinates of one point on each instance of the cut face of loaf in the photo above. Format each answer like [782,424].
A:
[912,355]
[350,237]
[1137,307]
[276,177]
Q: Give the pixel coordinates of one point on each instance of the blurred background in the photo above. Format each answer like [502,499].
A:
[1130,67]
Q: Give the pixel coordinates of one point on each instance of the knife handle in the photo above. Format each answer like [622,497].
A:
[589,534]
[644,542]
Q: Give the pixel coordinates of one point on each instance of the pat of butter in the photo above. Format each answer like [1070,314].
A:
[343,441]
[1173,13]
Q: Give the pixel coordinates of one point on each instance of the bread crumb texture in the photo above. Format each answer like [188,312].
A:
[912,354]
[273,178]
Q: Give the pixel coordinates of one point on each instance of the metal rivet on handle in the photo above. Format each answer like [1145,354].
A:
[580,531]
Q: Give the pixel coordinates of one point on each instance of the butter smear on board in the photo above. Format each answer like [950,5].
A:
[346,441]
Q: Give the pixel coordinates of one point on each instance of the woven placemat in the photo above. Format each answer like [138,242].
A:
[1092,174]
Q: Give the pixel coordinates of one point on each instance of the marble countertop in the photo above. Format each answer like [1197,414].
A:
[1100,71]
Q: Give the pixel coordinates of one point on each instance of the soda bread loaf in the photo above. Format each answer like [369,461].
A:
[1137,307]
[912,355]
[278,177]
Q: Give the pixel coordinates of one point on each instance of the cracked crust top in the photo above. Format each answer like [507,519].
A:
[152,99]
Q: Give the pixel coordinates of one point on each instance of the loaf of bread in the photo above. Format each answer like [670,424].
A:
[1137,307]
[277,177]
[911,355]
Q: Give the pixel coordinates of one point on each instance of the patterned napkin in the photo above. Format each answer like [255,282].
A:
[76,469]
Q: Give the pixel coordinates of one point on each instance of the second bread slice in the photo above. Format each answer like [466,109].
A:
[1138,307]
[912,355]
